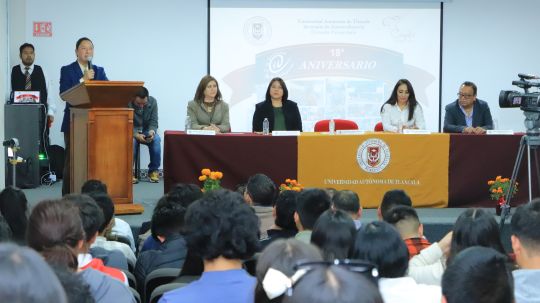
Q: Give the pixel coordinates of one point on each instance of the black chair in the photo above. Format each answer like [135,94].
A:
[131,278]
[158,292]
[157,278]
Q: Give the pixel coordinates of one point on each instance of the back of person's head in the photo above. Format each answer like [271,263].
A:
[394,198]
[281,255]
[222,224]
[106,204]
[168,218]
[93,186]
[526,226]
[475,227]
[330,191]
[14,208]
[334,234]
[90,213]
[310,204]
[184,194]
[480,275]
[261,189]
[333,284]
[77,291]
[285,207]
[5,231]
[55,230]
[405,220]
[346,200]
[381,244]
[26,277]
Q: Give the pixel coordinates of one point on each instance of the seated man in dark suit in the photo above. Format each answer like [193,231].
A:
[467,114]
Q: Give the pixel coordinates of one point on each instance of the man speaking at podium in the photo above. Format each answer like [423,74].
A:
[70,75]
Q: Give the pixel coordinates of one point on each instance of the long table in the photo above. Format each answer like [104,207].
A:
[473,160]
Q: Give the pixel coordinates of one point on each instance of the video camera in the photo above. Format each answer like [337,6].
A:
[528,102]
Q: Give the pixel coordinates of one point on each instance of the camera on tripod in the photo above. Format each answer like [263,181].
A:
[528,102]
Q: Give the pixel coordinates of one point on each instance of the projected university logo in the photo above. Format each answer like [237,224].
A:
[373,155]
[257,30]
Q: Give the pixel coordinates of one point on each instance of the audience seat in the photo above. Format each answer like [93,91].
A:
[157,278]
[135,295]
[340,124]
[158,292]
[378,127]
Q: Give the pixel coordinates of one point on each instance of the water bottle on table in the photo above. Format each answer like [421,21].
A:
[266,127]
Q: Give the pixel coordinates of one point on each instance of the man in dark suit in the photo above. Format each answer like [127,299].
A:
[31,77]
[70,75]
[467,114]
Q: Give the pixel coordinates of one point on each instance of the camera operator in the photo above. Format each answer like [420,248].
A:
[467,114]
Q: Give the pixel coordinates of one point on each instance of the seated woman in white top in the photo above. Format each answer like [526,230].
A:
[402,111]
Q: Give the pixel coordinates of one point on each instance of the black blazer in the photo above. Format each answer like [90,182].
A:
[264,109]
[454,118]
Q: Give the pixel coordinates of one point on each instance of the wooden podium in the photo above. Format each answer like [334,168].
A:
[101,138]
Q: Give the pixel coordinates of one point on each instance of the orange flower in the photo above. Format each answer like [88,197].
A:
[202,178]
[213,175]
[282,185]
[494,191]
[287,180]
[294,183]
[219,175]
[498,178]
[206,171]
[500,191]
[296,188]
[491,182]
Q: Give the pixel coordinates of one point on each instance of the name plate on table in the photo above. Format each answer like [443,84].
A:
[416,132]
[500,132]
[350,132]
[285,133]
[202,132]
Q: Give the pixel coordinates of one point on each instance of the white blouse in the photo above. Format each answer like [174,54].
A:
[392,116]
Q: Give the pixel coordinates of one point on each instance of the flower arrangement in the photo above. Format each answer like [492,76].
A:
[291,184]
[499,187]
[211,179]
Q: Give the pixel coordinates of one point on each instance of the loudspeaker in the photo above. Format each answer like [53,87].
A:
[24,122]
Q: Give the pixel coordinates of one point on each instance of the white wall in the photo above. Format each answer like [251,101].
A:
[489,43]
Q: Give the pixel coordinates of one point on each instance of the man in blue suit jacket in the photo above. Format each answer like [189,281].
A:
[467,114]
[70,75]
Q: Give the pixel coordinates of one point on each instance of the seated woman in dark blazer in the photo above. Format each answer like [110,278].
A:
[283,114]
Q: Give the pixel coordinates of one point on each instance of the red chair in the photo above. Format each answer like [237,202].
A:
[378,127]
[322,125]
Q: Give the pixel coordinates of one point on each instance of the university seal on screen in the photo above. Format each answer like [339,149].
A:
[373,155]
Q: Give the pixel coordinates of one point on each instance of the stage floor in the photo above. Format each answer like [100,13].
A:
[437,221]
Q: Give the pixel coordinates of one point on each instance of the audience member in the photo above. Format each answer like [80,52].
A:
[92,219]
[310,204]
[349,202]
[278,260]
[467,114]
[26,278]
[406,221]
[393,198]
[119,227]
[55,230]
[221,229]
[480,275]
[381,244]
[283,213]
[167,227]
[14,208]
[107,206]
[5,231]
[333,284]
[77,291]
[182,194]
[526,245]
[334,234]
[261,193]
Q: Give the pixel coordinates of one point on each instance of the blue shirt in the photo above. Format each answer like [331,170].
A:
[468,119]
[234,286]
